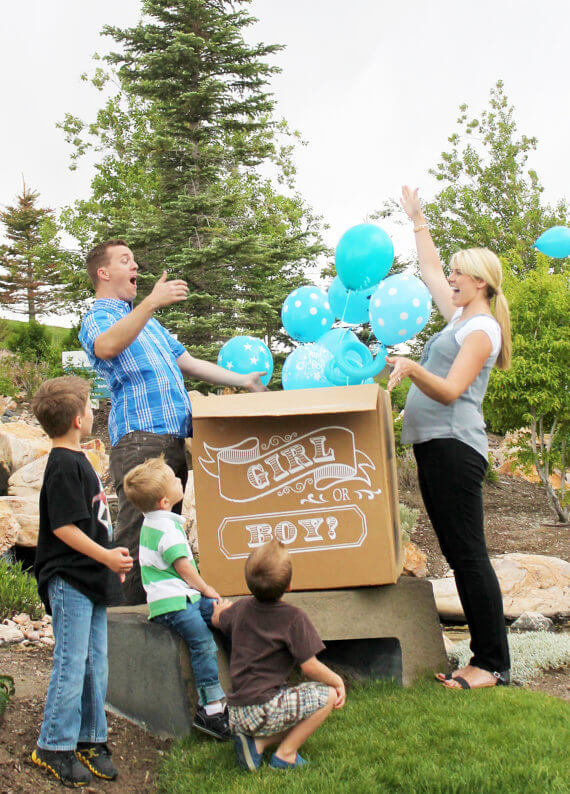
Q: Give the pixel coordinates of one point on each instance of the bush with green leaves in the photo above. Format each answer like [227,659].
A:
[30,341]
[408,518]
[18,592]
[6,692]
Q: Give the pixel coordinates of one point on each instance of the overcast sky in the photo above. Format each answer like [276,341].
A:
[373,87]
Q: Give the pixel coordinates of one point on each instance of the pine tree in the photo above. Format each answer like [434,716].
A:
[30,280]
[199,205]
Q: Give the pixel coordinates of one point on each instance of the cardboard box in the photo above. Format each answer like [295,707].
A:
[315,468]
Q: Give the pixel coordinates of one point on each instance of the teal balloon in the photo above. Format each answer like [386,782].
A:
[554,242]
[367,366]
[363,256]
[349,306]
[245,354]
[304,368]
[399,308]
[358,356]
[306,313]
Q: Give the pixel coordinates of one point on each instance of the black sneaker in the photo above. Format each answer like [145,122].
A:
[213,724]
[64,765]
[97,758]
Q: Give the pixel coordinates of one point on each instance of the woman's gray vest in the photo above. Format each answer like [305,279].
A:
[426,419]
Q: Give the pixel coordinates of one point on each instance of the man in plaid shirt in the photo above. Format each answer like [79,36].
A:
[144,368]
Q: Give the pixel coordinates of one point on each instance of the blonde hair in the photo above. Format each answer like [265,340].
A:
[146,484]
[484,264]
[268,571]
[58,401]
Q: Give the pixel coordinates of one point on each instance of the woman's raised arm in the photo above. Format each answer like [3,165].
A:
[430,264]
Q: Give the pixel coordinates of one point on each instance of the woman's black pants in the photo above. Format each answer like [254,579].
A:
[451,475]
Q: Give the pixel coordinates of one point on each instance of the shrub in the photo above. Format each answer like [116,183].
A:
[531,652]
[30,341]
[491,475]
[6,692]
[408,518]
[18,592]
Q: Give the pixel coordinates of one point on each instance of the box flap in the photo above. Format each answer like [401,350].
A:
[348,399]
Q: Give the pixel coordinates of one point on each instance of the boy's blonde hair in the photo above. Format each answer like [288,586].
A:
[484,264]
[268,571]
[58,401]
[146,484]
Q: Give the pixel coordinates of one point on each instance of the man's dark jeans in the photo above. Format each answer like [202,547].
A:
[132,449]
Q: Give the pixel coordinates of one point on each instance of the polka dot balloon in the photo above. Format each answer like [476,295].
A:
[306,314]
[399,308]
[245,354]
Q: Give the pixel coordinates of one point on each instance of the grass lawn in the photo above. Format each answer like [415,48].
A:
[418,739]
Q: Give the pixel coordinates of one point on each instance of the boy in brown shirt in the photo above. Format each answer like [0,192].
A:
[269,637]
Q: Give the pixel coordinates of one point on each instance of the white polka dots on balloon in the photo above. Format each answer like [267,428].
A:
[407,297]
[306,313]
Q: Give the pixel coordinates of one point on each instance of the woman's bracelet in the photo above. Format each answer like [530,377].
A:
[420,227]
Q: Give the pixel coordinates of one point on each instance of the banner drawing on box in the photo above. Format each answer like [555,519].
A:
[341,527]
[327,456]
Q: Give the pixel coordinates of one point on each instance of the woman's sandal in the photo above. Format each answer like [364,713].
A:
[501,679]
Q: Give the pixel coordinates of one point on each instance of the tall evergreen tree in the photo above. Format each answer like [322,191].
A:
[30,280]
[181,177]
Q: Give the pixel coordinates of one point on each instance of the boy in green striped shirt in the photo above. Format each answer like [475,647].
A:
[177,595]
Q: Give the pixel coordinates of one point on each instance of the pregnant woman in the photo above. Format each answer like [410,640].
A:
[444,422]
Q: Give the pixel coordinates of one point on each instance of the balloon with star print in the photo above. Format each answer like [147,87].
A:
[306,314]
[399,308]
[245,354]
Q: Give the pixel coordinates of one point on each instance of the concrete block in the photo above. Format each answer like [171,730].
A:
[387,632]
[150,677]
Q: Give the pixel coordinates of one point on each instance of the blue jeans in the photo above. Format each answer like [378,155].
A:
[75,702]
[192,625]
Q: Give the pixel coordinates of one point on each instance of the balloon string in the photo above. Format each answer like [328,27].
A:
[345,330]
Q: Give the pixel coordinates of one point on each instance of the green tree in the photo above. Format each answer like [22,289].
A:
[534,394]
[30,280]
[489,196]
[184,150]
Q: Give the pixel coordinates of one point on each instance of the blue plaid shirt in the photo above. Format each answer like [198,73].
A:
[146,385]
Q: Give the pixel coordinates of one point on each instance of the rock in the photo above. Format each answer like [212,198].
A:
[10,634]
[97,456]
[27,480]
[31,635]
[532,621]
[26,511]
[20,444]
[22,619]
[447,643]
[415,560]
[47,641]
[529,583]
[9,527]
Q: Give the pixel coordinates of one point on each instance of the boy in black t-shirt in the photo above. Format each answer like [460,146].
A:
[78,573]
[269,637]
